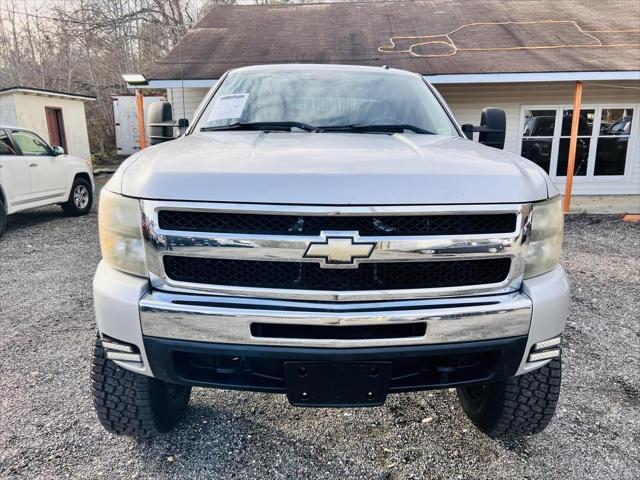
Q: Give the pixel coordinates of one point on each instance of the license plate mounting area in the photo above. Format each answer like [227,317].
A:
[328,384]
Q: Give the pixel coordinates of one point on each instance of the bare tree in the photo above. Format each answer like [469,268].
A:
[84,46]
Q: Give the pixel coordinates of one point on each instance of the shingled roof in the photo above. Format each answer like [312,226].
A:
[433,37]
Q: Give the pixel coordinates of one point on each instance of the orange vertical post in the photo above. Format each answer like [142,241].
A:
[140,103]
[573,144]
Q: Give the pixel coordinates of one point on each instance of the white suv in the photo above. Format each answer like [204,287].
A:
[34,174]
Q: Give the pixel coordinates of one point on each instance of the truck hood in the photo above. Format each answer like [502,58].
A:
[329,169]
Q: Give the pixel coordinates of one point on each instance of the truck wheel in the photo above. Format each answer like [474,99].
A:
[80,198]
[133,404]
[519,406]
[3,218]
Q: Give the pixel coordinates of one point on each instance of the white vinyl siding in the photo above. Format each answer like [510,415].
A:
[467,101]
[7,110]
[192,98]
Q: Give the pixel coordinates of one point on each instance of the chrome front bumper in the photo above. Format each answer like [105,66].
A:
[128,310]
[228,320]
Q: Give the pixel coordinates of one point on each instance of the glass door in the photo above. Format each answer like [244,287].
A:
[604,141]
[585,132]
[613,141]
[538,136]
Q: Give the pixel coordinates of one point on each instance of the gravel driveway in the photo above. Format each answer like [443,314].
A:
[48,428]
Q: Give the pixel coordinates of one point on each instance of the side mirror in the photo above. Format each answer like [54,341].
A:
[468,130]
[160,123]
[493,123]
[58,150]
[183,124]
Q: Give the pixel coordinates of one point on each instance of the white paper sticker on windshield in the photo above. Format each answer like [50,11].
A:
[228,106]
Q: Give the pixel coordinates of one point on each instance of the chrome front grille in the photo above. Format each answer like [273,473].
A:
[389,225]
[309,276]
[263,251]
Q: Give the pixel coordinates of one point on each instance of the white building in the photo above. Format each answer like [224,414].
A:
[525,60]
[56,116]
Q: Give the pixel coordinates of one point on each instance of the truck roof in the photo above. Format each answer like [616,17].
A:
[323,67]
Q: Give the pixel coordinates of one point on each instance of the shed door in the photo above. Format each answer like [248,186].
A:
[56,127]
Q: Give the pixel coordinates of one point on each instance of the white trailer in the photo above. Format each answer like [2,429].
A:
[125,115]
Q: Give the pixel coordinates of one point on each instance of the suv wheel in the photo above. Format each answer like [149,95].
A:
[3,218]
[519,406]
[80,198]
[133,404]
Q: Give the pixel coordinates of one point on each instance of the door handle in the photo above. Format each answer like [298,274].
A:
[33,165]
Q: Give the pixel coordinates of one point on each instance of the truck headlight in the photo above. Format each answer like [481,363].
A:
[119,220]
[545,243]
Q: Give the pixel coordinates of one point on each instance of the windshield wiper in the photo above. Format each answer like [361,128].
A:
[287,126]
[281,126]
[364,128]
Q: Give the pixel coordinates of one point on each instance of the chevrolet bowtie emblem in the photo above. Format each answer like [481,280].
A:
[339,252]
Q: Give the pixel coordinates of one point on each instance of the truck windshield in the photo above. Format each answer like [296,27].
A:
[325,100]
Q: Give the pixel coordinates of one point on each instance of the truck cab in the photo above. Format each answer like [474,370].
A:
[329,233]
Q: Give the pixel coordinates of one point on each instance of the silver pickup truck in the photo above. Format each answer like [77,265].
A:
[332,234]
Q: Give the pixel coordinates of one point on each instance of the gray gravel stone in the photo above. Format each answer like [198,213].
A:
[48,428]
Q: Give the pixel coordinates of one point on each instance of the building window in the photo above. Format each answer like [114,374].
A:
[613,141]
[603,140]
[537,137]
[585,129]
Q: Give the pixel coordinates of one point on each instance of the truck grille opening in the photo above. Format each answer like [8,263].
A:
[309,276]
[414,368]
[312,225]
[338,332]
[408,374]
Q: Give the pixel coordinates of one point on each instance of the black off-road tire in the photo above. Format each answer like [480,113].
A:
[519,406]
[80,198]
[3,218]
[128,403]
